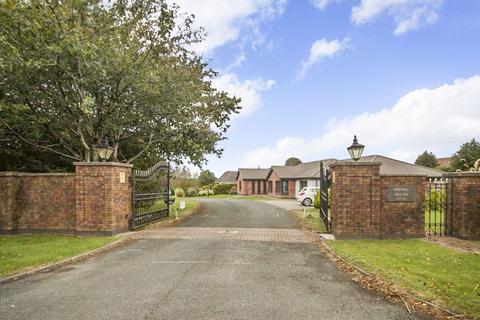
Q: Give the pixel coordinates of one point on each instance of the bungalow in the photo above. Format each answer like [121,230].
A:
[287,181]
[228,177]
[251,181]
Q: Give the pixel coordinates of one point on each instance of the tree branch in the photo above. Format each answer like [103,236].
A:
[141,152]
[35,144]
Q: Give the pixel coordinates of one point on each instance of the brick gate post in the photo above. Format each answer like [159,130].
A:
[463,201]
[355,207]
[103,197]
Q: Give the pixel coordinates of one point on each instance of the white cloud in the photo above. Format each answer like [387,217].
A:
[225,20]
[322,4]
[438,119]
[320,50]
[409,15]
[248,90]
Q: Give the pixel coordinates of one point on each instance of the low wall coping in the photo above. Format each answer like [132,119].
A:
[104,164]
[355,163]
[462,174]
[404,175]
[31,174]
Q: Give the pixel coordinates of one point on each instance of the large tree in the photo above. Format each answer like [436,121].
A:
[466,156]
[427,159]
[72,72]
[206,177]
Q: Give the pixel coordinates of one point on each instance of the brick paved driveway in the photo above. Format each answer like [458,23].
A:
[233,260]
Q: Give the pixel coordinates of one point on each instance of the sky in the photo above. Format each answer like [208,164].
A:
[403,75]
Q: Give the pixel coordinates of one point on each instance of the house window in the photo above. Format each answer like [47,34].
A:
[240,185]
[259,186]
[302,184]
[253,187]
[284,187]
[277,186]
[270,186]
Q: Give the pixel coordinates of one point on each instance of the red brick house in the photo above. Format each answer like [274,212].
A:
[251,181]
[443,162]
[287,181]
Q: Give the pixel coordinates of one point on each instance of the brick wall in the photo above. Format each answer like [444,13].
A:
[249,189]
[35,202]
[403,219]
[273,178]
[463,199]
[94,200]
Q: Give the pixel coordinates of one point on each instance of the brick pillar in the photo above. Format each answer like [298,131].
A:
[463,201]
[103,197]
[8,202]
[355,204]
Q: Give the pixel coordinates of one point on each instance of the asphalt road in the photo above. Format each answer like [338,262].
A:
[201,278]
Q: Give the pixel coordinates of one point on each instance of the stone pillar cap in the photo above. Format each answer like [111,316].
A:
[104,164]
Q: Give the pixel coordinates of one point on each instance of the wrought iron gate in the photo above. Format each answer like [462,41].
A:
[324,185]
[438,217]
[150,194]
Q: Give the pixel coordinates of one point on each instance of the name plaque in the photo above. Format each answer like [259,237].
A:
[402,194]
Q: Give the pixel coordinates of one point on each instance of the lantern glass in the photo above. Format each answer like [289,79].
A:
[104,151]
[356,149]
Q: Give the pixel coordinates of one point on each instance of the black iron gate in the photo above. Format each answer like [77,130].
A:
[150,194]
[324,186]
[438,217]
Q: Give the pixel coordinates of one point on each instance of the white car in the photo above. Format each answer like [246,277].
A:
[307,195]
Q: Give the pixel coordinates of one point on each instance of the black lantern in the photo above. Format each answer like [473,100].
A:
[104,151]
[355,149]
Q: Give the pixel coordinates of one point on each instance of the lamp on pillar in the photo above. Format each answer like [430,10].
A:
[103,150]
[356,149]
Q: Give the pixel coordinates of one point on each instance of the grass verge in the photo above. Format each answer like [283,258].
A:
[310,219]
[441,275]
[190,206]
[22,252]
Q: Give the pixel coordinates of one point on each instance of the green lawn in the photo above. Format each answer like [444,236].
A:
[237,197]
[311,220]
[439,274]
[19,252]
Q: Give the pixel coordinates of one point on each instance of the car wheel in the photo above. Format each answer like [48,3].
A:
[307,202]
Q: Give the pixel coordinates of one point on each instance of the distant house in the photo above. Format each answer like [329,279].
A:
[287,181]
[251,181]
[443,162]
[228,177]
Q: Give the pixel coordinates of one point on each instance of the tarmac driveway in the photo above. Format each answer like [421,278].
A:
[232,260]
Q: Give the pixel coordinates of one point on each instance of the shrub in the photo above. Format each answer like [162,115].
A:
[179,192]
[224,188]
[316,201]
[233,190]
[192,192]
[434,199]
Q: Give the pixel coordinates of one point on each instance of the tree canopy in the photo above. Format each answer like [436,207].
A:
[466,156]
[427,159]
[206,177]
[292,161]
[72,72]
